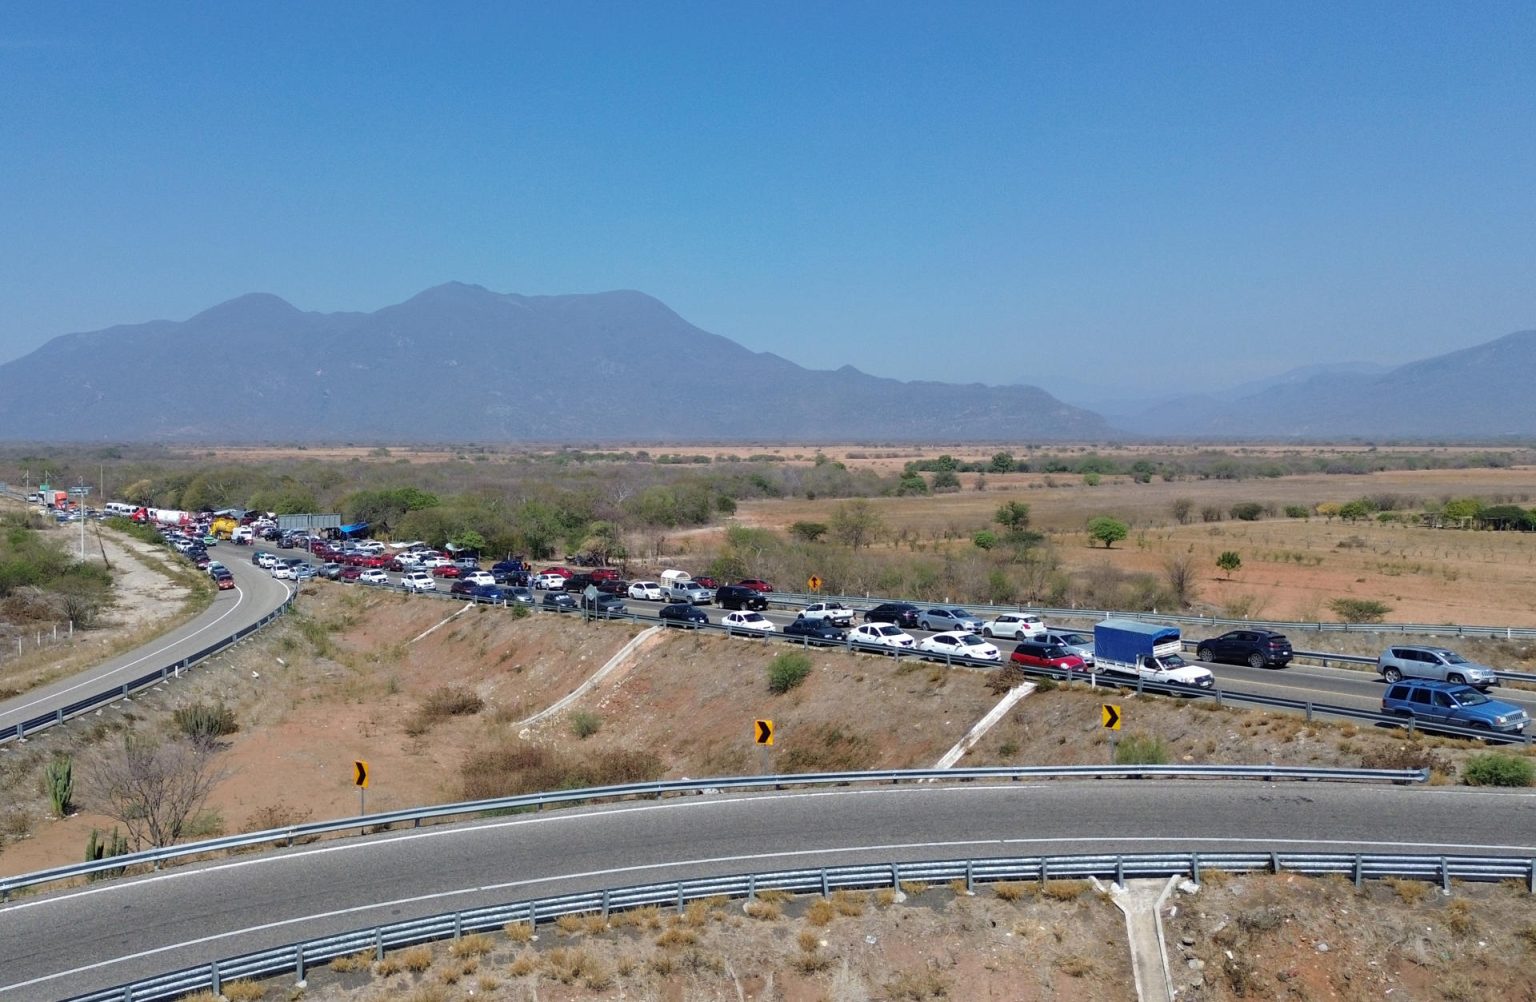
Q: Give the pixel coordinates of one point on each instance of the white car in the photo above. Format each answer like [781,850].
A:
[646,591]
[959,644]
[411,580]
[214,567]
[282,571]
[756,622]
[373,576]
[478,577]
[266,560]
[835,613]
[1017,625]
[880,635]
[549,581]
[432,560]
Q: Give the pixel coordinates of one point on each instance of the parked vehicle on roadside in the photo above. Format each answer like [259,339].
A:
[756,584]
[372,576]
[645,591]
[683,614]
[1430,702]
[330,569]
[943,619]
[604,604]
[1039,654]
[900,613]
[886,635]
[1413,661]
[1150,651]
[816,631]
[1017,625]
[959,644]
[740,597]
[1254,648]
[1080,644]
[689,591]
[835,613]
[752,622]
[417,581]
[559,601]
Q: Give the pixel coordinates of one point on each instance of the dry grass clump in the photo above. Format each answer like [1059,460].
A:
[808,941]
[518,932]
[1410,892]
[811,963]
[1012,890]
[416,958]
[1458,916]
[442,703]
[1075,965]
[912,888]
[427,993]
[515,767]
[574,925]
[774,896]
[704,911]
[820,912]
[885,897]
[243,991]
[676,938]
[1065,890]
[351,962]
[387,967]
[763,910]
[569,966]
[959,889]
[524,964]
[454,973]
[830,748]
[476,944]
[850,903]
[917,986]
[647,917]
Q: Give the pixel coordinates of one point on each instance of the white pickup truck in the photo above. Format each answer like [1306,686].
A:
[835,613]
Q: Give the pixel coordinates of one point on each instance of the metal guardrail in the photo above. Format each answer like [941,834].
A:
[290,834]
[297,958]
[88,703]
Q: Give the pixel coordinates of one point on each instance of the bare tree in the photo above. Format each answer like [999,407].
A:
[154,787]
[1180,571]
[856,523]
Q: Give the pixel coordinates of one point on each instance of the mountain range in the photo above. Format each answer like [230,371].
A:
[460,363]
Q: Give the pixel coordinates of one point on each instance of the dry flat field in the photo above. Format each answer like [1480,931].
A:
[1291,567]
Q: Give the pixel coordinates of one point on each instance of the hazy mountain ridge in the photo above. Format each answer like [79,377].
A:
[461,363]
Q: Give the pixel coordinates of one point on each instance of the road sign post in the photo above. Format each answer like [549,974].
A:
[813,584]
[762,735]
[1109,717]
[360,778]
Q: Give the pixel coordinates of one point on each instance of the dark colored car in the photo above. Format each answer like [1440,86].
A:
[488,592]
[903,614]
[604,605]
[684,614]
[739,597]
[1430,701]
[614,586]
[519,594]
[578,582]
[559,601]
[330,570]
[462,587]
[756,584]
[509,567]
[1039,654]
[1255,648]
[816,631]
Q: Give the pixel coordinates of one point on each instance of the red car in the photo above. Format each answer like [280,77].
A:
[225,583]
[705,581]
[1040,654]
[445,571]
[756,583]
[605,574]
[351,573]
[564,572]
[376,561]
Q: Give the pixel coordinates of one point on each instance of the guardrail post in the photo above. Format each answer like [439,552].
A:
[752,887]
[680,908]
[605,905]
[896,874]
[1445,876]
[378,943]
[1274,862]
[1530,878]
[298,964]
[458,925]
[1120,871]
[970,876]
[1043,865]
[824,890]
[1194,868]
[215,983]
[1359,871]
[1309,711]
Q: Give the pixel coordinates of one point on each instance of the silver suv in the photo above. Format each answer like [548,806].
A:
[1398,663]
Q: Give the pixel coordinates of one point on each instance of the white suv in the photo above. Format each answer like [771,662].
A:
[1018,625]
[418,581]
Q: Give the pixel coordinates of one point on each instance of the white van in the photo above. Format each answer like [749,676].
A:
[670,578]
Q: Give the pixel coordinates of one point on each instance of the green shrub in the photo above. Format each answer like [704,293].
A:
[1297,511]
[1247,511]
[585,723]
[788,670]
[1141,749]
[1494,769]
[205,723]
[1359,610]
[97,848]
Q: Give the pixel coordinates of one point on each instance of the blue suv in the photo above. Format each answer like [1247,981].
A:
[1433,702]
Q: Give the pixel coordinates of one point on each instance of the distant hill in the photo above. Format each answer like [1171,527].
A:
[461,363]
[1481,393]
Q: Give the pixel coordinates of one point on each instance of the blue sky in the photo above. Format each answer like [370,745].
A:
[1078,195]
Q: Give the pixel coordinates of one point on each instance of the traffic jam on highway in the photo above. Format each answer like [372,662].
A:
[1427,685]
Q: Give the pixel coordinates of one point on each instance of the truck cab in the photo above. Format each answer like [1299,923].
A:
[1150,651]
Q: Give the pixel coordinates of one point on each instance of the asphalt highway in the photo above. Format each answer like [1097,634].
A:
[101,935]
[255,594]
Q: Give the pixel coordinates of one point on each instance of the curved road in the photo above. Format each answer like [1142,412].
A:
[255,594]
[101,935]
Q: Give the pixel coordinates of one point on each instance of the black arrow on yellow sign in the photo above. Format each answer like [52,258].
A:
[360,773]
[765,732]
[1111,716]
